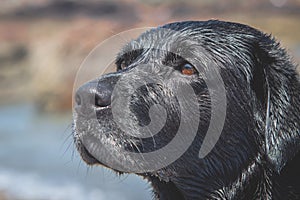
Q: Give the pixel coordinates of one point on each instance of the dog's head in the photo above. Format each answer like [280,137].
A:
[168,82]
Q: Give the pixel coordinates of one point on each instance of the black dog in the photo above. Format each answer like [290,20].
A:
[257,154]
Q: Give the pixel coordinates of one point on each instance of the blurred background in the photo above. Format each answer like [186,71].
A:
[43,43]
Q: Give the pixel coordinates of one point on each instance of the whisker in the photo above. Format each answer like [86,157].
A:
[67,149]
[78,166]
[68,137]
[68,127]
[88,169]
[73,153]
[122,178]
[132,143]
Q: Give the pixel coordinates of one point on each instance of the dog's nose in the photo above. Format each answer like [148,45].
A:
[93,95]
[103,95]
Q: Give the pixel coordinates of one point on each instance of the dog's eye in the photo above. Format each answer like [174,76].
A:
[188,69]
[122,65]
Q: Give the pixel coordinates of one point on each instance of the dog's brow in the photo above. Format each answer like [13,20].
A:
[173,59]
[128,56]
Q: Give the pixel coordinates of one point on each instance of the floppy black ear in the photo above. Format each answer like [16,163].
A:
[259,74]
[275,83]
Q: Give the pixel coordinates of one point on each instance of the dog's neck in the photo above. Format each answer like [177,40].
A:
[165,190]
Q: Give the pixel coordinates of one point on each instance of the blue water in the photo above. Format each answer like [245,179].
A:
[38,161]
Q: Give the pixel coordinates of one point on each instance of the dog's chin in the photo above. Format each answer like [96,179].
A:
[157,182]
[89,159]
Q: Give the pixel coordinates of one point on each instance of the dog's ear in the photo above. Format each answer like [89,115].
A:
[259,82]
[274,82]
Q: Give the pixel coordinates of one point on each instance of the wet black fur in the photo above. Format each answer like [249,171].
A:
[257,156]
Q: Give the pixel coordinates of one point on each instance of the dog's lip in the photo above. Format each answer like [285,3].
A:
[103,108]
[91,160]
[91,112]
[87,156]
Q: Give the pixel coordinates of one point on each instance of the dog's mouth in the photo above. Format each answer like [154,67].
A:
[86,155]
[90,159]
[157,183]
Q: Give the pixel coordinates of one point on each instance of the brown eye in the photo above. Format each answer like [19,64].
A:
[188,69]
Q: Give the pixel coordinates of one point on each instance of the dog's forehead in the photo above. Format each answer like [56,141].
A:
[166,39]
[161,41]
[194,41]
[174,39]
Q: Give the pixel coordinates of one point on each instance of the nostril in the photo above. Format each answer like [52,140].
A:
[77,100]
[102,100]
